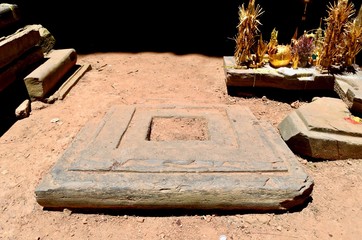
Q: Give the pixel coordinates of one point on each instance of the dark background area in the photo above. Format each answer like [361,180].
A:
[181,27]
[206,27]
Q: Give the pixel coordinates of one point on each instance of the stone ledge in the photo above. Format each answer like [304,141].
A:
[269,77]
[15,45]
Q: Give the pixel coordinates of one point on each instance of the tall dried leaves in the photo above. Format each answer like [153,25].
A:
[353,38]
[342,38]
[247,30]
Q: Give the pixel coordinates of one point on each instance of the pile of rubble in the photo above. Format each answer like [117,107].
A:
[28,58]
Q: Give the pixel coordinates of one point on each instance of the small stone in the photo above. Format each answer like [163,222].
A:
[295,104]
[55,120]
[223,237]
[178,223]
[304,161]
[23,110]
[38,105]
[207,218]
[67,212]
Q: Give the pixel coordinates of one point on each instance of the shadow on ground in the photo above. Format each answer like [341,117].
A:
[280,95]
[10,99]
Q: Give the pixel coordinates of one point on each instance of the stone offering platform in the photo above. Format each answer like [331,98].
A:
[241,164]
[323,129]
[281,78]
[349,89]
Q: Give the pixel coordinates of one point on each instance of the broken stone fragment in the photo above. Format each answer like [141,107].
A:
[9,14]
[23,110]
[47,40]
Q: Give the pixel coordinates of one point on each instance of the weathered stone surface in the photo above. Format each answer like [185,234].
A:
[244,164]
[69,83]
[15,45]
[23,110]
[9,14]
[19,67]
[47,40]
[349,89]
[322,130]
[281,78]
[44,78]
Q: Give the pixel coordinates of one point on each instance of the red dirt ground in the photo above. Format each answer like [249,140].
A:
[30,148]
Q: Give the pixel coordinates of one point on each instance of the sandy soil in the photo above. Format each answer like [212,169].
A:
[32,146]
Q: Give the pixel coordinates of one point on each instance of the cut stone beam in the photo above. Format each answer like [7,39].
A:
[69,83]
[15,45]
[43,79]
[11,72]
[323,129]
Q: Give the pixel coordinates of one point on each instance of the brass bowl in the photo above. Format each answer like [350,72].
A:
[282,57]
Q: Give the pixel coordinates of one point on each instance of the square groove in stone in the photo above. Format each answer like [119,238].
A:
[234,144]
[219,128]
[258,173]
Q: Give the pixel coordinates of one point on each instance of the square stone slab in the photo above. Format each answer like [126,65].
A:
[240,163]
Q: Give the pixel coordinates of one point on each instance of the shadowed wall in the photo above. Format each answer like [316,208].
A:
[206,27]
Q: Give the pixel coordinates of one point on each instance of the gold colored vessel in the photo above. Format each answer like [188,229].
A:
[280,56]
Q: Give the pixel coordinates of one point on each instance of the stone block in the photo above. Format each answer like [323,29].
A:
[323,129]
[349,88]
[19,67]
[47,41]
[9,15]
[15,45]
[44,78]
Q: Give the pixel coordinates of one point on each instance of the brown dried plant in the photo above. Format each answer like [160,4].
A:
[273,42]
[318,40]
[247,30]
[261,50]
[353,39]
[334,43]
